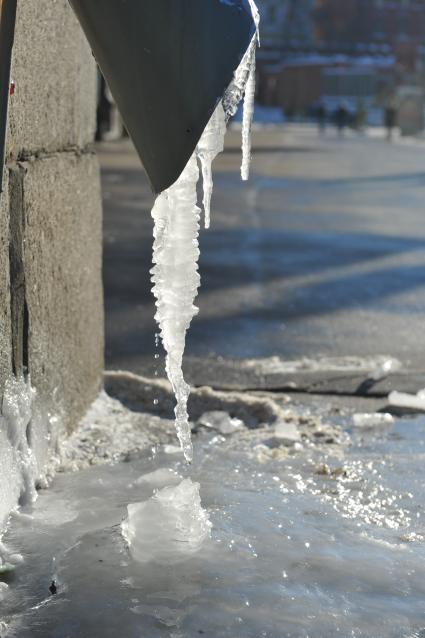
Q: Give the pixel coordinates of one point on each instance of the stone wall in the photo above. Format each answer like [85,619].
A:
[51,306]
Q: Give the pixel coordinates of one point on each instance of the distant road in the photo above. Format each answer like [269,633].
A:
[321,253]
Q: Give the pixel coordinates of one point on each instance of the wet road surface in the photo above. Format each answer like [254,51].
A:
[322,253]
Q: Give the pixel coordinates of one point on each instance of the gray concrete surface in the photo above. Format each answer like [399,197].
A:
[5,332]
[62,258]
[54,103]
[320,254]
[51,307]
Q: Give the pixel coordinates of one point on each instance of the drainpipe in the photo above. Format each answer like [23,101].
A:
[7,33]
[167,64]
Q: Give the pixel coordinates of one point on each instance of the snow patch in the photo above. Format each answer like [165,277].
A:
[372,420]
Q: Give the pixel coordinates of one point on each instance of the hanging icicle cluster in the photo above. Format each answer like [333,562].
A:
[176,217]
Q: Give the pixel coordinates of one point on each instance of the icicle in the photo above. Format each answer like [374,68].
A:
[175,274]
[243,85]
[248,116]
[176,280]
[209,146]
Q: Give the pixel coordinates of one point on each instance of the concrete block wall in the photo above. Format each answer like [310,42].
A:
[51,305]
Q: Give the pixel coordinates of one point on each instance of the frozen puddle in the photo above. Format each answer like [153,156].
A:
[307,539]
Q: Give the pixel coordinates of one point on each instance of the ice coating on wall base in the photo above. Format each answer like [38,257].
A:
[16,420]
[176,216]
[25,447]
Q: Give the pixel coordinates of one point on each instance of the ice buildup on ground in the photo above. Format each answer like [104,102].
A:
[168,528]
[176,216]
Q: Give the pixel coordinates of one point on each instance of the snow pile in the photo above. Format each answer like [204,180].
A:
[409,401]
[176,215]
[168,528]
[372,420]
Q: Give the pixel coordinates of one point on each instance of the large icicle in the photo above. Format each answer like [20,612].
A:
[176,280]
[176,215]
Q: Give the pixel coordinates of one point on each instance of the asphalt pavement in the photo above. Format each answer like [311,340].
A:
[321,255]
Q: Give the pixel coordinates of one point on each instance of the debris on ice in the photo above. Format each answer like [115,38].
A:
[220,421]
[287,433]
[169,528]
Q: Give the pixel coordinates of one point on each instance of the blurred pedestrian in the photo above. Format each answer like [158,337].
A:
[390,120]
[341,118]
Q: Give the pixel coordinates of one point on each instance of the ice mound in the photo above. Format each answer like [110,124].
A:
[168,528]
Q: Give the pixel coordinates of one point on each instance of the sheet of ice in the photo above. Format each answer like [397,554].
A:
[335,532]
[169,528]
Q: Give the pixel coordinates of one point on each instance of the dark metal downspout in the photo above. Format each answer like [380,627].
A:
[7,33]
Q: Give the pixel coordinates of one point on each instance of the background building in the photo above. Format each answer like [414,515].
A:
[358,51]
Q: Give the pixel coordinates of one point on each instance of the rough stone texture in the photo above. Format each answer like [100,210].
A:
[5,335]
[63,287]
[51,306]
[54,73]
